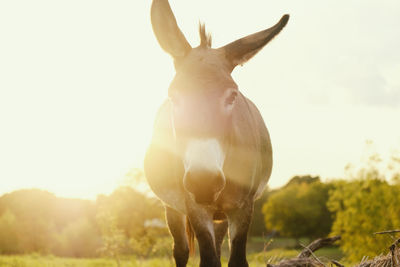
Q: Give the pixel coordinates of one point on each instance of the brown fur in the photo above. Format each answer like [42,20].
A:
[198,109]
[190,237]
[205,38]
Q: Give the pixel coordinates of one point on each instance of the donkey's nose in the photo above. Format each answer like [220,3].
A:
[204,185]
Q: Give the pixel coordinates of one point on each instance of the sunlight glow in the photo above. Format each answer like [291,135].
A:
[81,82]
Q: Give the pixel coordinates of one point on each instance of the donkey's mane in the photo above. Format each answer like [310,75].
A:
[205,38]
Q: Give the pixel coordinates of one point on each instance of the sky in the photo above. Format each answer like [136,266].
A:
[81,81]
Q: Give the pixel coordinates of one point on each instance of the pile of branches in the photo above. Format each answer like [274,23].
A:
[392,259]
[306,258]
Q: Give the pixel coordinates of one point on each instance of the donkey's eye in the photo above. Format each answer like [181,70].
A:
[231,98]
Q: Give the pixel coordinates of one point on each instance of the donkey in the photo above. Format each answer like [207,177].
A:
[210,156]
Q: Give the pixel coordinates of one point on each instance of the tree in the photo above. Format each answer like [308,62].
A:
[33,210]
[8,233]
[364,205]
[128,211]
[36,221]
[80,238]
[305,179]
[299,209]
[131,209]
[114,240]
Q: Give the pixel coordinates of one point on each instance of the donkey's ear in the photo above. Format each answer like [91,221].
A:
[168,34]
[240,51]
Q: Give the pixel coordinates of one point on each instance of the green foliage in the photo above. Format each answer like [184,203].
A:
[36,221]
[307,179]
[363,207]
[153,244]
[32,210]
[8,233]
[79,238]
[113,238]
[299,209]
[40,222]
[394,167]
[131,210]
[123,216]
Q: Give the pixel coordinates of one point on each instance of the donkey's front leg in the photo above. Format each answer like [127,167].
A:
[176,225]
[220,229]
[239,222]
[201,220]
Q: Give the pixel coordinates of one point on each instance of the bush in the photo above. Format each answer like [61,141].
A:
[366,204]
[8,233]
[299,209]
[361,208]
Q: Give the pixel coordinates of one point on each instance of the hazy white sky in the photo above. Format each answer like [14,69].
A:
[80,82]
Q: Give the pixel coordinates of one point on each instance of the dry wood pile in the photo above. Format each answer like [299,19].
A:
[306,258]
[392,259]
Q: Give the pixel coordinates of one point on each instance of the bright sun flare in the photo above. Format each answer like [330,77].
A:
[81,83]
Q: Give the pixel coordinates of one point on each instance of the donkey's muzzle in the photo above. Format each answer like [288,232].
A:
[204,185]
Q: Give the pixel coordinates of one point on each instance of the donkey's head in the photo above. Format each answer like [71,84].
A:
[203,96]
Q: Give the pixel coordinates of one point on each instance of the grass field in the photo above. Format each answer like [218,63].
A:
[277,250]
[255,260]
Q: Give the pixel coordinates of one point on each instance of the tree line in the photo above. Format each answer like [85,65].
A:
[36,221]
[132,223]
[365,202]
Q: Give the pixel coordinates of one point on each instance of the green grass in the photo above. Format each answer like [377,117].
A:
[258,255]
[50,261]
[255,260]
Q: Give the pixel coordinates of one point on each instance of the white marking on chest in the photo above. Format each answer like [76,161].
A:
[204,154]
